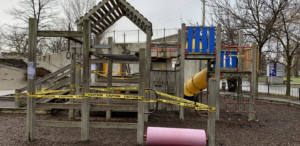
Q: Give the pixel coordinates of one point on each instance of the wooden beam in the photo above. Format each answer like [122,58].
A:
[106,24]
[71,124]
[182,60]
[127,5]
[110,25]
[31,79]
[253,84]
[131,16]
[107,12]
[101,20]
[217,69]
[59,33]
[140,125]
[240,66]
[213,88]
[100,4]
[85,112]
[109,82]
[72,83]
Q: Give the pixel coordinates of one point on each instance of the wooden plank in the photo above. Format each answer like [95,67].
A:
[110,25]
[190,40]
[227,61]
[71,124]
[31,83]
[115,61]
[182,61]
[109,84]
[147,67]
[61,76]
[211,39]
[211,122]
[135,12]
[72,83]
[222,61]
[17,98]
[91,12]
[59,33]
[240,67]
[217,70]
[104,16]
[253,81]
[197,39]
[85,112]
[233,60]
[141,109]
[204,40]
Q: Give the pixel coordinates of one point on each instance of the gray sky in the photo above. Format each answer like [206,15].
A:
[162,13]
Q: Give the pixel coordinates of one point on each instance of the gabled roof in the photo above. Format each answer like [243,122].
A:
[108,12]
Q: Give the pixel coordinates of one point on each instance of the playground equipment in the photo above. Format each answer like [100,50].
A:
[196,83]
[159,136]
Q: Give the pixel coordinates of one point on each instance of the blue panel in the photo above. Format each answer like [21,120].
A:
[227,61]
[214,65]
[222,61]
[233,62]
[197,39]
[211,40]
[190,40]
[204,40]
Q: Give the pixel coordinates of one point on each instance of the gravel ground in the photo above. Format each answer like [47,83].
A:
[280,127]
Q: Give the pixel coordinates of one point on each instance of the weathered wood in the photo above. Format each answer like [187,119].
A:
[253,81]
[240,66]
[93,107]
[59,33]
[69,124]
[182,60]
[109,84]
[217,69]
[17,98]
[115,61]
[211,122]
[91,12]
[32,46]
[85,112]
[72,83]
[66,74]
[147,67]
[141,109]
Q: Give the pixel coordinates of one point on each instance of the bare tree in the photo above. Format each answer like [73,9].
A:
[256,17]
[286,31]
[74,9]
[15,39]
[42,10]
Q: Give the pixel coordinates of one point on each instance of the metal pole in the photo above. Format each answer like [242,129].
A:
[203,13]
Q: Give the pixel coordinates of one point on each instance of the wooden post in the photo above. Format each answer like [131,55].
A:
[109,84]
[147,67]
[85,109]
[182,58]
[78,73]
[141,109]
[72,82]
[177,68]
[17,98]
[240,67]
[31,79]
[99,66]
[211,122]
[253,81]
[217,69]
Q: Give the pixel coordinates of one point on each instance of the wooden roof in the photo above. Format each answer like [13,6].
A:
[108,12]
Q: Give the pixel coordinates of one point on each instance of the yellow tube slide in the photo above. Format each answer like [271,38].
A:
[196,83]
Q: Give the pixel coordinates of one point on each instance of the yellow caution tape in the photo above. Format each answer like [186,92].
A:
[211,109]
[144,100]
[127,78]
[101,95]
[18,95]
[115,88]
[176,103]
[53,91]
[58,96]
[72,86]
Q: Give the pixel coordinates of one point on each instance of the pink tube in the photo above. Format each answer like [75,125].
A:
[158,136]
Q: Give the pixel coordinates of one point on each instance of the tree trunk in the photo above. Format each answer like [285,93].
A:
[288,79]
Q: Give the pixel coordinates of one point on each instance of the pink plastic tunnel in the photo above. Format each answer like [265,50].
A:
[159,136]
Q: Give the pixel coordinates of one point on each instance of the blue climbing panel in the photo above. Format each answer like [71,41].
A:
[222,61]
[204,40]
[233,60]
[211,40]
[190,40]
[227,61]
[197,40]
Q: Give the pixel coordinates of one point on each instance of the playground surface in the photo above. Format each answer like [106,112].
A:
[280,126]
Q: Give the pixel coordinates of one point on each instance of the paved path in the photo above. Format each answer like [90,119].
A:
[281,100]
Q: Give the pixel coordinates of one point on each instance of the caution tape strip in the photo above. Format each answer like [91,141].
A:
[115,88]
[122,96]
[58,96]
[52,91]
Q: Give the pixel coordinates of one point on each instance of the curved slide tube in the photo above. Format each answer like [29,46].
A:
[196,83]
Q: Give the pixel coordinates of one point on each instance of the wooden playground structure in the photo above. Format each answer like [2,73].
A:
[84,96]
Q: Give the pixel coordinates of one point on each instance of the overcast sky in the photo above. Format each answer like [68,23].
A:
[162,13]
